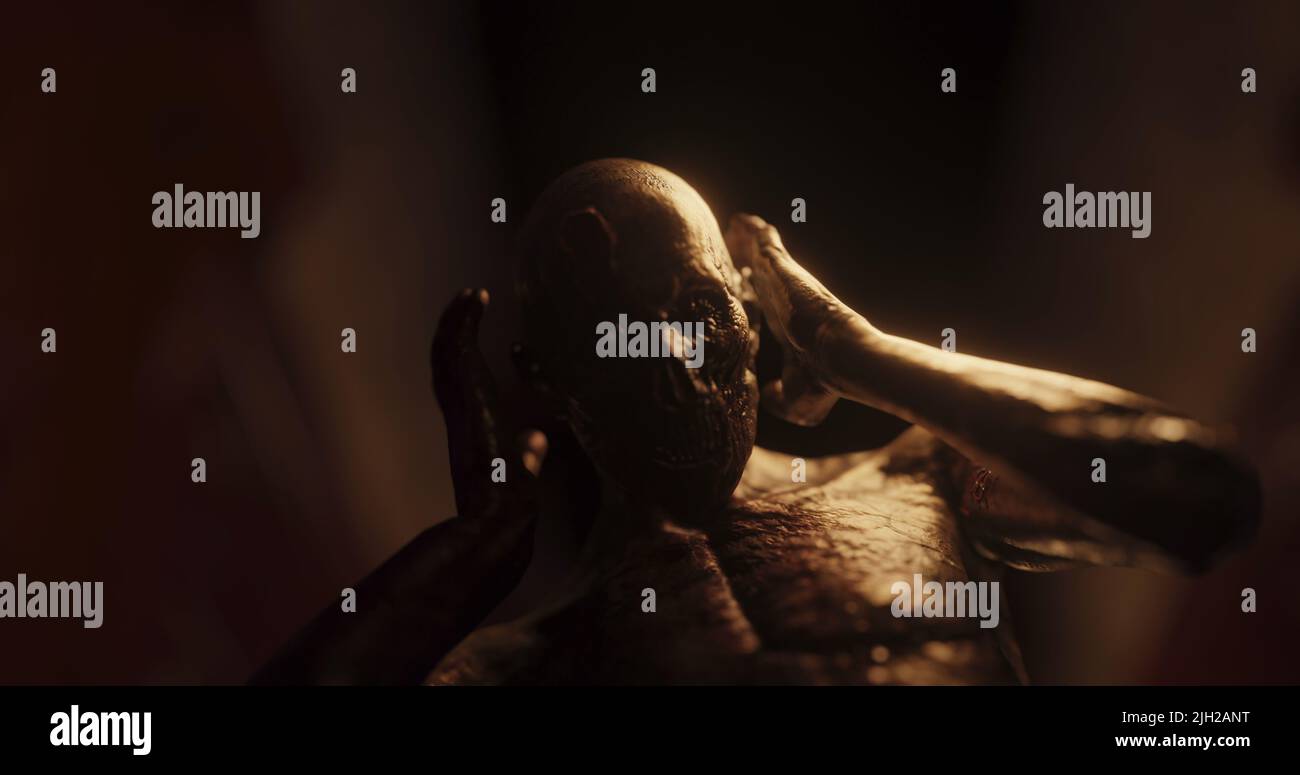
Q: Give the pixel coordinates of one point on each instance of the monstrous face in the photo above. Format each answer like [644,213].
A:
[618,236]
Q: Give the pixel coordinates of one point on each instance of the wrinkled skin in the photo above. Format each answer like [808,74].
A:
[622,237]
[788,584]
[765,580]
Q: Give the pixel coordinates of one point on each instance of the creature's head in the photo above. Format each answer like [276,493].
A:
[622,237]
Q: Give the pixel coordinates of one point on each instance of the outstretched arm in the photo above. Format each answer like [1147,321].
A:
[1170,480]
[425,599]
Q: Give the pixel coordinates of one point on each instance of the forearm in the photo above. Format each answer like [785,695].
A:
[1169,479]
[412,610]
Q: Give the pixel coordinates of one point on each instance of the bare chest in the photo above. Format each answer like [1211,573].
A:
[792,586]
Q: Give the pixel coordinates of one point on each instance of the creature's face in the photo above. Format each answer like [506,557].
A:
[620,237]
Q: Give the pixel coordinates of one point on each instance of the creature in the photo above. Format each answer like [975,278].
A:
[757,578]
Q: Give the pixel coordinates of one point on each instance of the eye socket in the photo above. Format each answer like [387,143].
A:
[725,326]
[711,305]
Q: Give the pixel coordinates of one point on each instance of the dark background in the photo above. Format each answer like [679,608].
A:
[924,212]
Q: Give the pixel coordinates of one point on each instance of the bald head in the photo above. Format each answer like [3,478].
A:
[625,226]
[622,239]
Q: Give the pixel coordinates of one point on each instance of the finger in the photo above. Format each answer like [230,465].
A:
[532,450]
[756,244]
[795,304]
[742,234]
[466,393]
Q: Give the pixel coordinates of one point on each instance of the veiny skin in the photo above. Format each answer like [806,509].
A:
[758,579]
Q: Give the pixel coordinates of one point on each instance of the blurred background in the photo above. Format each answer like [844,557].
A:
[924,212]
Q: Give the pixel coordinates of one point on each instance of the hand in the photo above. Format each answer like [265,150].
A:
[1175,485]
[800,312]
[477,433]
[426,598]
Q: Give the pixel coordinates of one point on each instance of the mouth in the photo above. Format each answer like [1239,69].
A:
[700,434]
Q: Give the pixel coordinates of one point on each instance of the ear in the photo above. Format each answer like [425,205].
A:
[585,234]
[588,242]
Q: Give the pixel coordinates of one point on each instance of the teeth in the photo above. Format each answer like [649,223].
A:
[695,434]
